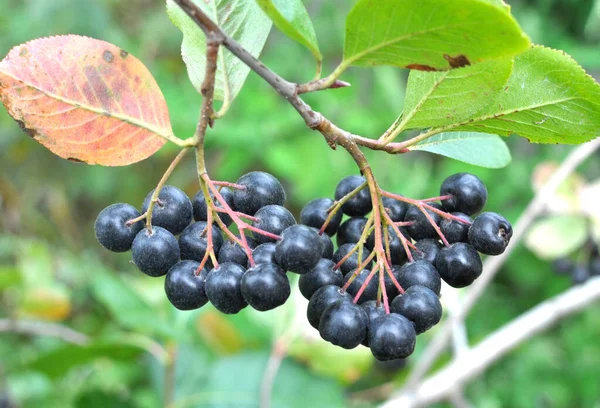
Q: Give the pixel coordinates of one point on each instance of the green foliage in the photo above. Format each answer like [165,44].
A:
[291,17]
[241,19]
[557,236]
[429,33]
[478,149]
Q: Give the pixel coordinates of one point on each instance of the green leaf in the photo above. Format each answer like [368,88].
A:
[9,276]
[443,98]
[243,20]
[557,236]
[548,98]
[291,17]
[479,149]
[127,307]
[428,34]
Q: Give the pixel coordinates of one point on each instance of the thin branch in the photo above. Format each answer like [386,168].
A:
[37,328]
[278,353]
[473,362]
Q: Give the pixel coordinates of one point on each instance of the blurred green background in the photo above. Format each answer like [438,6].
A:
[51,268]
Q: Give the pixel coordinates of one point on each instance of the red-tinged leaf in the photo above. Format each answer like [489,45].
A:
[84,99]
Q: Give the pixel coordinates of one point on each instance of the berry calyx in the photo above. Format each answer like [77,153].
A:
[185,289]
[223,288]
[154,253]
[259,189]
[468,192]
[459,264]
[490,233]
[112,230]
[265,286]
[172,211]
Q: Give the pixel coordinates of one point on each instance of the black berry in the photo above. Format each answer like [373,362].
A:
[264,253]
[490,233]
[421,228]
[299,249]
[396,249]
[459,264]
[273,219]
[232,252]
[396,209]
[352,262]
[427,249]
[326,243]
[321,299]
[112,231]
[314,214]
[419,305]
[456,231]
[360,203]
[265,286]
[344,324]
[185,289]
[193,241]
[370,292]
[323,274]
[373,312]
[391,336]
[468,193]
[155,253]
[260,189]
[200,207]
[172,211]
[350,231]
[223,288]
[419,273]
[563,265]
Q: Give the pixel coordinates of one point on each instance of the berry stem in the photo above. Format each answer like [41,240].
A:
[390,273]
[228,184]
[335,207]
[363,237]
[433,224]
[405,242]
[386,304]
[365,284]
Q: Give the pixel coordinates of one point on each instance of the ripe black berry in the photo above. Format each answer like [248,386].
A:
[320,300]
[419,305]
[112,231]
[421,227]
[490,233]
[352,262]
[223,288]
[299,249]
[370,292]
[427,249]
[273,219]
[260,189]
[391,336]
[264,253]
[456,231]
[172,211]
[468,193]
[323,274]
[396,209]
[459,264]
[373,312]
[265,287]
[344,324]
[193,242]
[397,252]
[185,289]
[200,208]
[419,273]
[154,254]
[359,204]
[314,214]
[350,231]
[232,252]
[326,243]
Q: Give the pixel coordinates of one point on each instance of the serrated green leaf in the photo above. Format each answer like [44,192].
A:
[441,98]
[427,34]
[548,98]
[243,20]
[291,18]
[558,236]
[478,149]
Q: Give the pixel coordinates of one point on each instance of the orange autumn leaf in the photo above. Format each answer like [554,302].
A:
[84,99]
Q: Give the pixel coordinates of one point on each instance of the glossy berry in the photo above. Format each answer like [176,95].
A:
[391,336]
[264,253]
[421,227]
[223,288]
[344,324]
[265,287]
[370,292]
[360,204]
[185,289]
[352,262]
[396,209]
[468,193]
[299,249]
[112,231]
[193,242]
[321,275]
[456,231]
[419,305]
[490,233]
[373,312]
[232,252]
[260,189]
[350,231]
[321,299]
[200,208]
[427,249]
[314,214]
[419,273]
[273,219]
[397,252]
[459,264]
[172,211]
[326,243]
[155,253]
